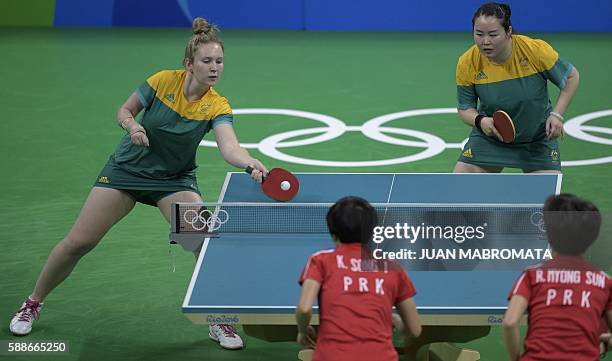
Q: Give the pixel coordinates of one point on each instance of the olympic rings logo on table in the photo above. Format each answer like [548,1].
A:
[431,144]
[537,219]
[205,219]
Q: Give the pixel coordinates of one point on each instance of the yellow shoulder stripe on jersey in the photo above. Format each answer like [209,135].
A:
[528,57]
[169,90]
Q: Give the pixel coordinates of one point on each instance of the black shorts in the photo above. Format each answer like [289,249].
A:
[144,190]
[484,151]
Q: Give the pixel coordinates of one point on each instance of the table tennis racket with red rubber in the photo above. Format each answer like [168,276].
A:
[279,184]
[504,125]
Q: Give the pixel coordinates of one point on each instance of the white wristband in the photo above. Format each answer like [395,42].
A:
[557,115]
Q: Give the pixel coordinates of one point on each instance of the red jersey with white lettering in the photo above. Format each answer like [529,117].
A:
[567,300]
[355,304]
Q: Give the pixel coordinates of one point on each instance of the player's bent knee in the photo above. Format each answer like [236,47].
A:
[544,171]
[78,246]
[461,167]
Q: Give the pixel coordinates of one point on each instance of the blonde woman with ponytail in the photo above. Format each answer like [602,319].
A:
[154,163]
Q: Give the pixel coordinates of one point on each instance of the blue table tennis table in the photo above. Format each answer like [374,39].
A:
[251,279]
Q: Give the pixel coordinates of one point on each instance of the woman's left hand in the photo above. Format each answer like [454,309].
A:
[259,170]
[309,338]
[554,127]
[397,322]
[605,342]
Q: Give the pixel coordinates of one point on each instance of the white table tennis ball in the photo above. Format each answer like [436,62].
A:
[285,185]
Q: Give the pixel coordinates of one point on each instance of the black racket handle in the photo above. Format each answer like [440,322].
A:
[250,170]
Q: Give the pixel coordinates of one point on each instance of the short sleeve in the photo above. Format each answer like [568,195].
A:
[313,270]
[147,90]
[223,113]
[405,288]
[521,287]
[466,91]
[549,63]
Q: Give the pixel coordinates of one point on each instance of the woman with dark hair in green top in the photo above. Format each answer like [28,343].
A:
[509,72]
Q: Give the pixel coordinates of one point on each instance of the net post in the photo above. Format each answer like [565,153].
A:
[174,216]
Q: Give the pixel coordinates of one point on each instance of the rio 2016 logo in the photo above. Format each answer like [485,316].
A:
[374,129]
[222,319]
[495,320]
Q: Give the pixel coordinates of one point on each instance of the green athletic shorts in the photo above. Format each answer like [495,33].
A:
[144,190]
[484,151]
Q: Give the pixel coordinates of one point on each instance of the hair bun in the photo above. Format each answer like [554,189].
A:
[203,32]
[200,26]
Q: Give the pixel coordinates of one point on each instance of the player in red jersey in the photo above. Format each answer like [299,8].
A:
[355,300]
[566,298]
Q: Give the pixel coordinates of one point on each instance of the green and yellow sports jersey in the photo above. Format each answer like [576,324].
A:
[518,86]
[174,125]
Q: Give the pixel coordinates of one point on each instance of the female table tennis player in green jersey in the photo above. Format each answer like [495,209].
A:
[154,162]
[505,71]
